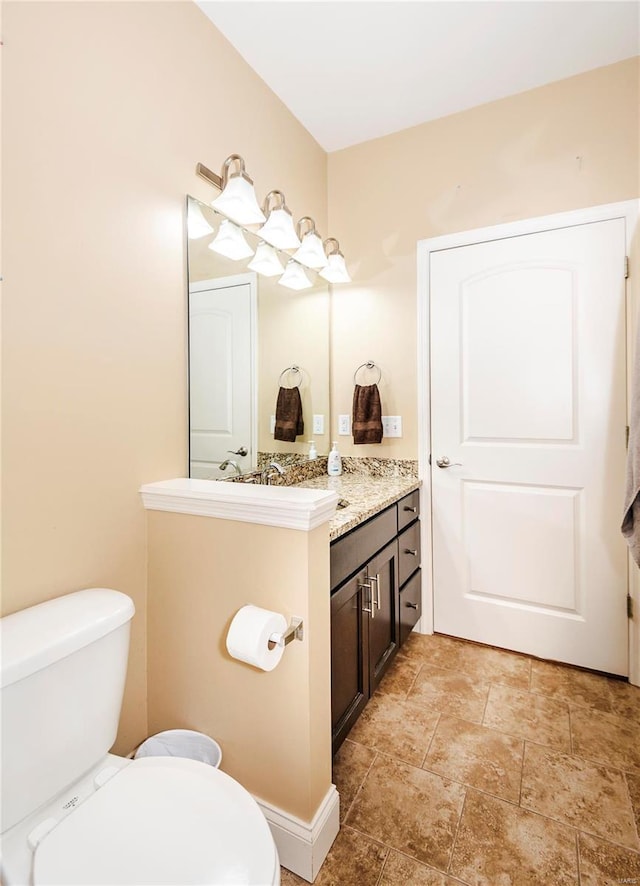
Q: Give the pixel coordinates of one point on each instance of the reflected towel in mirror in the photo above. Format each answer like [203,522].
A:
[289,423]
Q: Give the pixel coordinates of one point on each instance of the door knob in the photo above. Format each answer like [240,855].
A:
[241,450]
[445,463]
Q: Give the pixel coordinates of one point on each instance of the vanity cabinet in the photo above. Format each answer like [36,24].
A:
[374,573]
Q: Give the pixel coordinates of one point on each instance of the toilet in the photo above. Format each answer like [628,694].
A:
[73,814]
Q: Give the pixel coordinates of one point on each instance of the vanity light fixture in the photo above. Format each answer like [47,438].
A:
[294,277]
[197,225]
[336,269]
[311,252]
[266,261]
[230,242]
[238,198]
[278,229]
[238,203]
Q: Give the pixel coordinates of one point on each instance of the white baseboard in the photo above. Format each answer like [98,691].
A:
[303,846]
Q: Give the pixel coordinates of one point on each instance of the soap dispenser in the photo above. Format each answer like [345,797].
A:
[313,452]
[334,462]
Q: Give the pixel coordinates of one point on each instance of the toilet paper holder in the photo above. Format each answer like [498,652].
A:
[293,632]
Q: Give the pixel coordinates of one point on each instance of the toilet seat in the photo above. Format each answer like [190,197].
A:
[161,820]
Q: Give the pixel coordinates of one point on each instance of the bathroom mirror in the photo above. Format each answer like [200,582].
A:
[246,332]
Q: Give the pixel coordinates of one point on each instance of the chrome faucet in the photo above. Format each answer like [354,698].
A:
[265,477]
[230,461]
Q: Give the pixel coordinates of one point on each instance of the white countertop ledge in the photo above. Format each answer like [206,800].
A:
[288,507]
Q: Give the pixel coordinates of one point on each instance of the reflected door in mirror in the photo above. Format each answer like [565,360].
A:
[221,376]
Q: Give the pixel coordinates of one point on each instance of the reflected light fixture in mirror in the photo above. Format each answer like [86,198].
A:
[230,242]
[336,269]
[311,252]
[278,230]
[294,277]
[238,199]
[197,225]
[266,261]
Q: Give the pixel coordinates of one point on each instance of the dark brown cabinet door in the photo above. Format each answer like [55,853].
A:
[349,655]
[382,576]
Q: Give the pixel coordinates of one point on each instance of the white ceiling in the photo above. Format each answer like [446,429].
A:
[355,69]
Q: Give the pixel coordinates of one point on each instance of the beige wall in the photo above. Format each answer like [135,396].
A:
[274,727]
[107,108]
[564,146]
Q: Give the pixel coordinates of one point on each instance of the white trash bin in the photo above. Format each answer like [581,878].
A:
[182,743]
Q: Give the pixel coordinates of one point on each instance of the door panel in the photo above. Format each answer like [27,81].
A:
[528,404]
[532,518]
[517,338]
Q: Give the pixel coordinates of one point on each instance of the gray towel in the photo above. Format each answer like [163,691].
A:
[631,520]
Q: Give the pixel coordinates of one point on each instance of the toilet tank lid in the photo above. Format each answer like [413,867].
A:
[43,634]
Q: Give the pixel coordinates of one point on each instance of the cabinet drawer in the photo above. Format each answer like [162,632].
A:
[410,605]
[409,552]
[353,550]
[408,509]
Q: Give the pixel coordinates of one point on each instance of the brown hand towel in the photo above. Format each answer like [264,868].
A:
[289,423]
[367,414]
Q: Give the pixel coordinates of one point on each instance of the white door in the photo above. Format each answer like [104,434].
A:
[222,413]
[528,404]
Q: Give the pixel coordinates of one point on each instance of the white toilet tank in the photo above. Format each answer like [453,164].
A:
[62,673]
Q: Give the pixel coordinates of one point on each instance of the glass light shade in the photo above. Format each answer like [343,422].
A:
[230,242]
[311,253]
[336,270]
[238,202]
[294,277]
[279,230]
[197,225]
[266,261]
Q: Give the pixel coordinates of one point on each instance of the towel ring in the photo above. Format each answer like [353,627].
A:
[368,365]
[294,369]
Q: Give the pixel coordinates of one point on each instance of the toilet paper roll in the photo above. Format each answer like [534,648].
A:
[248,636]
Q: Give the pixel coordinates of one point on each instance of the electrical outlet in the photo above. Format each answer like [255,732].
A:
[392,425]
[318,424]
[272,424]
[344,425]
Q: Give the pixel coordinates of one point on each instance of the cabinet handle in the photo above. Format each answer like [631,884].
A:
[365,586]
[407,508]
[411,605]
[409,551]
[375,578]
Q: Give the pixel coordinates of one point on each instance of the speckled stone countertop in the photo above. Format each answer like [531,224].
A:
[367,496]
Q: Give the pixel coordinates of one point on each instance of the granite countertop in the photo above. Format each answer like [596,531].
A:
[366,497]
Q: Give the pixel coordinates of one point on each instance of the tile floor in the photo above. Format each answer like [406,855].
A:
[476,766]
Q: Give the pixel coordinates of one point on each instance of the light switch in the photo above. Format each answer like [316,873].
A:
[272,424]
[344,425]
[392,425]
[318,424]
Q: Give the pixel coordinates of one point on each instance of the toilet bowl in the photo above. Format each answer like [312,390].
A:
[75,815]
